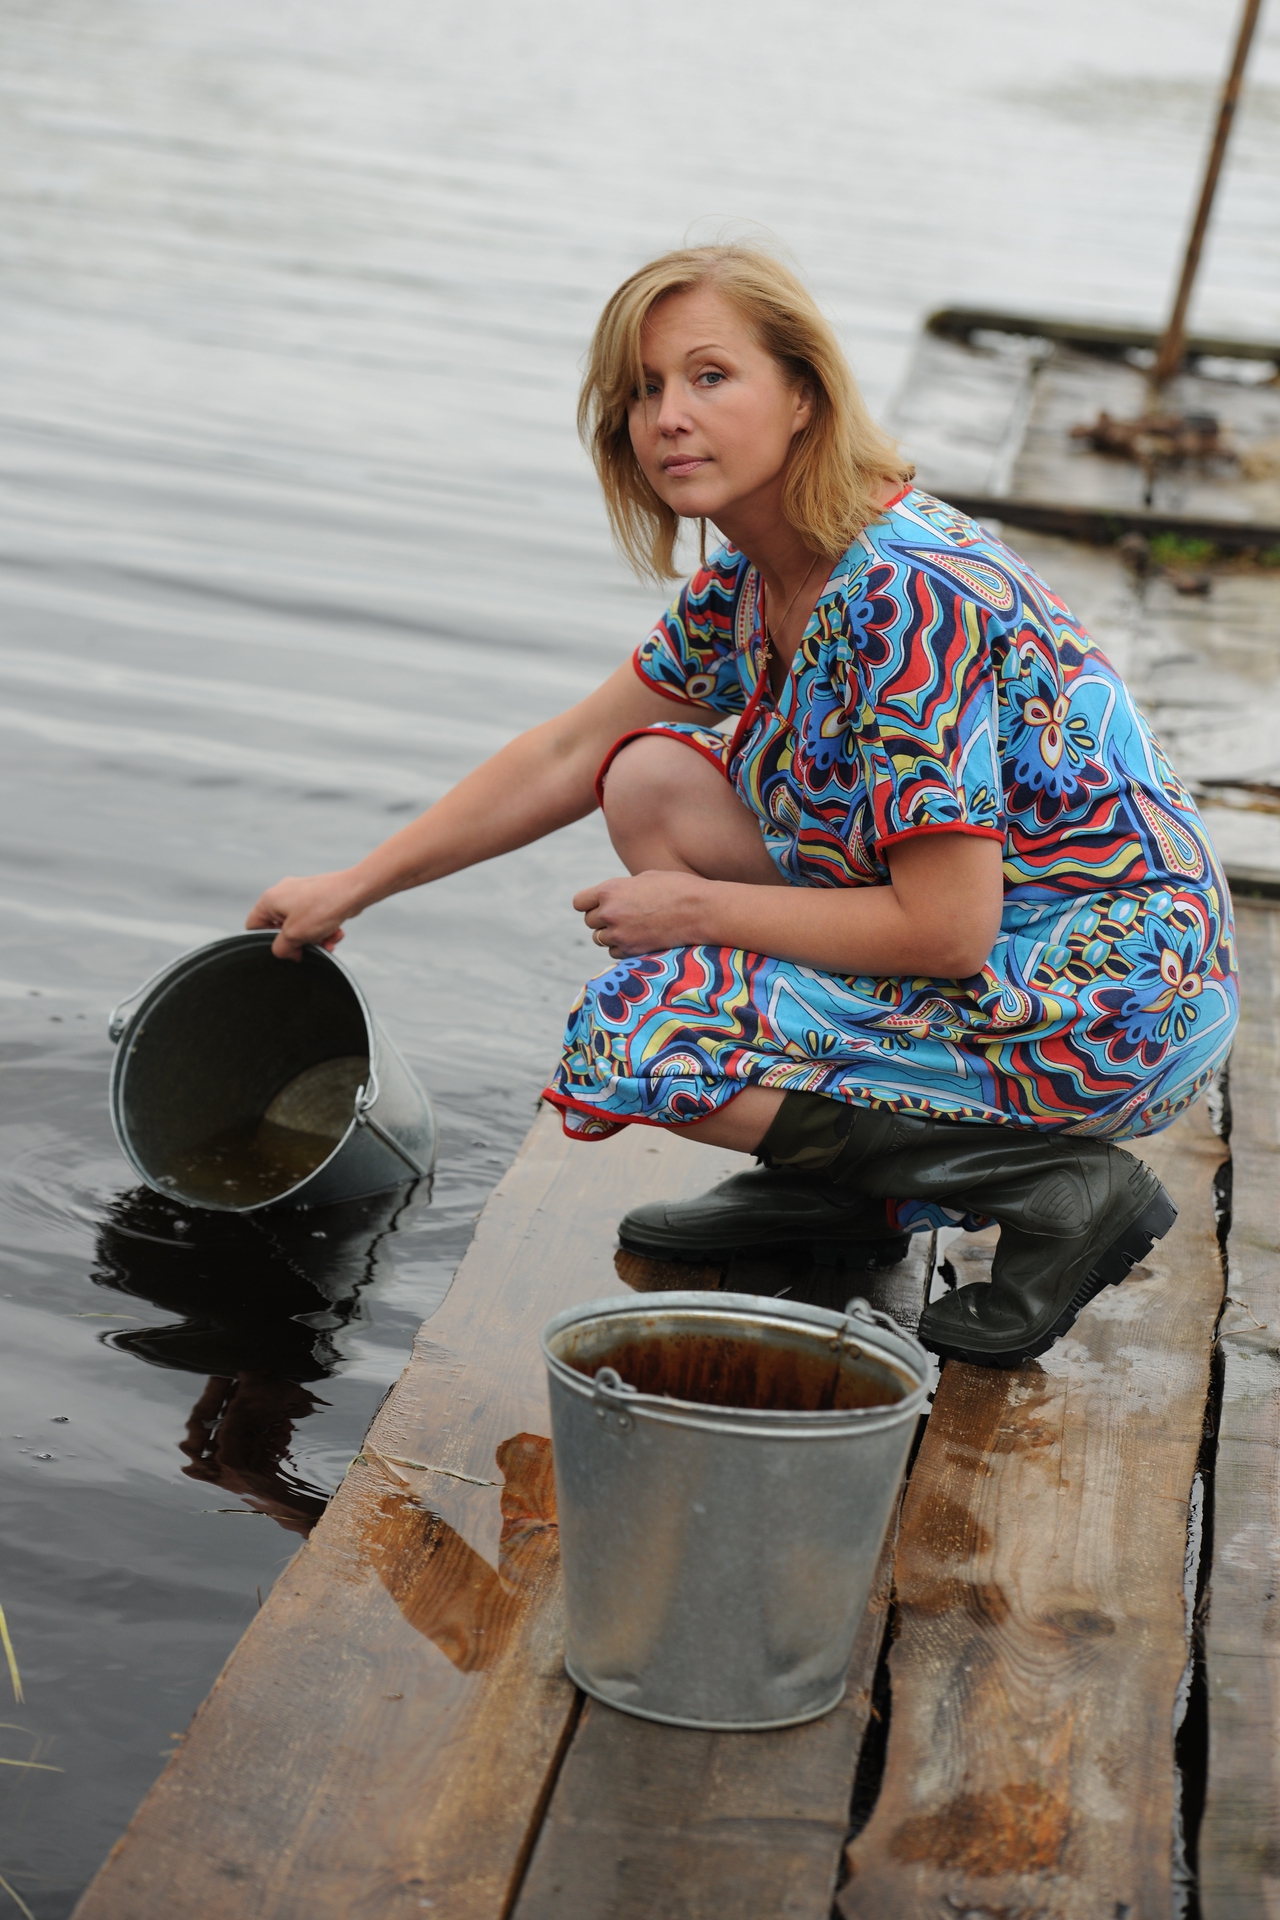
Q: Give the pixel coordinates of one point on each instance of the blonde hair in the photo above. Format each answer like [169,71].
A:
[839,462]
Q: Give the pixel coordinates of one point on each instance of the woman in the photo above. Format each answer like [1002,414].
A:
[918,913]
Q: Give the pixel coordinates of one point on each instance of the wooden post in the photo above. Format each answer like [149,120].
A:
[1169,357]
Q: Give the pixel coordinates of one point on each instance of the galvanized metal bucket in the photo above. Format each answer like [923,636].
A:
[243,1082]
[717,1556]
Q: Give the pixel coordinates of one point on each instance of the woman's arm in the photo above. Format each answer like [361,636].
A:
[939,918]
[542,780]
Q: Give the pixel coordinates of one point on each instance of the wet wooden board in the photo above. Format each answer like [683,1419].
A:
[664,1823]
[380,1742]
[1042,1636]
[1240,1835]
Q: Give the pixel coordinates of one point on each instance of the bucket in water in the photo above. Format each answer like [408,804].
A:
[726,1467]
[243,1081]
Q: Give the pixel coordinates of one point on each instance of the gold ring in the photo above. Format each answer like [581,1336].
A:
[596,937]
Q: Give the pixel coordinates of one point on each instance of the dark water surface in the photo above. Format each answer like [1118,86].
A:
[295,529]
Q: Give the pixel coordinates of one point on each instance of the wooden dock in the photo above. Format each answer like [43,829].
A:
[1041,1702]
[1064,1703]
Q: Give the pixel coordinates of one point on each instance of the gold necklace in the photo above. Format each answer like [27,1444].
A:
[764,621]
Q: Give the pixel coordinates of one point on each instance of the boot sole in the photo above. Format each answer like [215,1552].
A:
[860,1255]
[1115,1265]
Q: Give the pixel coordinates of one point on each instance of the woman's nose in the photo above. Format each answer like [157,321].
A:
[672,413]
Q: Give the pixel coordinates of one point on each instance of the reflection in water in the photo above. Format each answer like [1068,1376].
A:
[238,1437]
[443,1587]
[260,1301]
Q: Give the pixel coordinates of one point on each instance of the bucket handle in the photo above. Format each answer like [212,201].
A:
[117,1023]
[609,1386]
[860,1309]
[366,1097]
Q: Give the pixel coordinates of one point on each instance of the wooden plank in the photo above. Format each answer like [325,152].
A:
[962,412]
[1071,389]
[1042,1626]
[665,1823]
[960,323]
[1240,1834]
[1103,526]
[381,1740]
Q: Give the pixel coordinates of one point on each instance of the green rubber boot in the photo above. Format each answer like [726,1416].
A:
[763,1208]
[1075,1214]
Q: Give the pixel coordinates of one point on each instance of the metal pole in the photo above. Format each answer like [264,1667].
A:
[1172,345]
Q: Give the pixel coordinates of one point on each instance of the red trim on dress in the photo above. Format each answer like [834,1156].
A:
[568,1105]
[660,733]
[959,826]
[909,488]
[676,699]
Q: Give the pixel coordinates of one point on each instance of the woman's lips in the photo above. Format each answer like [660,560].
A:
[677,469]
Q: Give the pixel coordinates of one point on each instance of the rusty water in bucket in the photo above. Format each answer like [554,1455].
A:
[726,1467]
[243,1081]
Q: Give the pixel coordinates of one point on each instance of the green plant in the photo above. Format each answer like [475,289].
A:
[1172,550]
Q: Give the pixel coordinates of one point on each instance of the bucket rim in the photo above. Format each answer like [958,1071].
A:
[141,998]
[771,1422]
[144,997]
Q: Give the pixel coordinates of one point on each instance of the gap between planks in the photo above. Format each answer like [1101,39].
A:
[1239,1864]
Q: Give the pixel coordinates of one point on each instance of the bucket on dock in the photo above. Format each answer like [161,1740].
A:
[243,1081]
[726,1466]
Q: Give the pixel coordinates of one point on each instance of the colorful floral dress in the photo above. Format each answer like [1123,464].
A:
[940,687]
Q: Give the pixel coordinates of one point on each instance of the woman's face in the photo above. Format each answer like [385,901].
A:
[715,423]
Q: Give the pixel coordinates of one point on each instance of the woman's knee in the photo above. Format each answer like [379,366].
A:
[651,774]
[668,805]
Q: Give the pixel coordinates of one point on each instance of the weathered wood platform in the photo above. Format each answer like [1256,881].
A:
[395,1735]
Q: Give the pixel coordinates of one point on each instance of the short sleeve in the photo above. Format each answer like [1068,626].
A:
[692,655]
[928,727]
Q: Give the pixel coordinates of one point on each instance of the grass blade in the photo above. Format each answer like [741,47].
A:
[17,1898]
[14,1675]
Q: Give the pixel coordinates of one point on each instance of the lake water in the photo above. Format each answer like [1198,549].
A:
[296,529]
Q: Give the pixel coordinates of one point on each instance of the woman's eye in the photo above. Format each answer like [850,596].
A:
[711,377]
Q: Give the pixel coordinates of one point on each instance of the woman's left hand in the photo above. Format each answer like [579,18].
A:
[646,913]
[938,919]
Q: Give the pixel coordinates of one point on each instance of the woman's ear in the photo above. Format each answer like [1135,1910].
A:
[803,407]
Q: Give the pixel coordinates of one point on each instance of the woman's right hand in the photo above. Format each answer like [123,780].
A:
[308,913]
